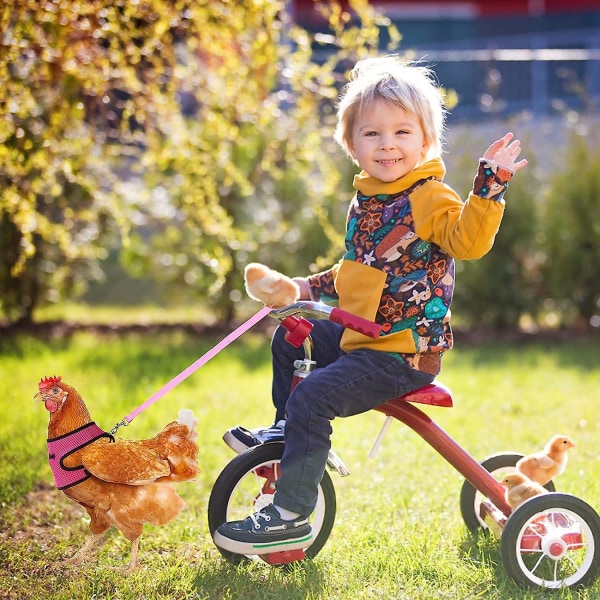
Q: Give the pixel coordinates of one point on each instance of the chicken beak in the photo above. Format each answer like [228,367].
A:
[50,402]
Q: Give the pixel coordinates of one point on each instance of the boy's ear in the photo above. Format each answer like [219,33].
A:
[351,151]
[424,150]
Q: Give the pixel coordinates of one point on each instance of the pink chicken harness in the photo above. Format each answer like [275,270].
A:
[63,446]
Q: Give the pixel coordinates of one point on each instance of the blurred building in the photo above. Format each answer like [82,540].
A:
[502,57]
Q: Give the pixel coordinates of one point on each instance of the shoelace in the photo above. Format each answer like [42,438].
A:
[259,515]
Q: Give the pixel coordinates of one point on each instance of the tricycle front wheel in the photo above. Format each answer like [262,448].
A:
[247,484]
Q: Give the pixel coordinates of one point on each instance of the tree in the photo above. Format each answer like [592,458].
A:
[55,191]
[195,135]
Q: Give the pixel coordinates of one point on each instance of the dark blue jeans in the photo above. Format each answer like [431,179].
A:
[341,386]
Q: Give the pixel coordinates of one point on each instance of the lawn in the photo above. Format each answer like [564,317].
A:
[398,531]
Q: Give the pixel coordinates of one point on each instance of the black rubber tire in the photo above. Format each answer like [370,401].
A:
[536,568]
[470,498]
[243,466]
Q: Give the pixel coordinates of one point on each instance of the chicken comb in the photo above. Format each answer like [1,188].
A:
[46,382]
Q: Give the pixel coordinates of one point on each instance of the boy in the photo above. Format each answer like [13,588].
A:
[404,230]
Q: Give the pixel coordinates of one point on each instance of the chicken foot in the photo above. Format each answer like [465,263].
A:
[81,554]
[133,561]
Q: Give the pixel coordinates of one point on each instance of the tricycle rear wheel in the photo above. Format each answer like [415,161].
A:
[552,541]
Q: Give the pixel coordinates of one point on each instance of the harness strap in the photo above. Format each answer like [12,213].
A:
[64,445]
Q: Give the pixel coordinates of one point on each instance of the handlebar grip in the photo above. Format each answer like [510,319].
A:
[354,322]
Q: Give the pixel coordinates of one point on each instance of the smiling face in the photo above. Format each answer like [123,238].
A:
[387,141]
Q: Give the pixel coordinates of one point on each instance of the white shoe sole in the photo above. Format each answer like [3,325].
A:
[250,548]
[234,443]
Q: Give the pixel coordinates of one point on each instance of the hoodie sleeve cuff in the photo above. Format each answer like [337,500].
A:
[491,180]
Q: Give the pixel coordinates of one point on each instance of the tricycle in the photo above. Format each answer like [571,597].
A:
[550,541]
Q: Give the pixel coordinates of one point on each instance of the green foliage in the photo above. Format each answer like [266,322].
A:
[200,127]
[572,235]
[55,200]
[398,532]
[541,270]
[498,289]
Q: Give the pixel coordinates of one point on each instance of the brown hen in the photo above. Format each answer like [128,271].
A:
[125,483]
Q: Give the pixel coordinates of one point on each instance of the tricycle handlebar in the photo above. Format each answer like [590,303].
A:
[318,310]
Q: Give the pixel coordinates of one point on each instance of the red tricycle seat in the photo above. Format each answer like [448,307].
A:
[436,394]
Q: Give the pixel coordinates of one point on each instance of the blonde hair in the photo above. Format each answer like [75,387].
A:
[401,83]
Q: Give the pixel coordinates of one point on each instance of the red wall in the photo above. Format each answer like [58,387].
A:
[478,7]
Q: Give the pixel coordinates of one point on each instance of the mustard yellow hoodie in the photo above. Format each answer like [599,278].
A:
[398,269]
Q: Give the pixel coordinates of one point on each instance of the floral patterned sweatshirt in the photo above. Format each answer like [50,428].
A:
[398,269]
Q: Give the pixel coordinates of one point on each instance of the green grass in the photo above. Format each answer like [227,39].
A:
[398,533]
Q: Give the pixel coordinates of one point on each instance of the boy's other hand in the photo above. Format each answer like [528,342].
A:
[505,152]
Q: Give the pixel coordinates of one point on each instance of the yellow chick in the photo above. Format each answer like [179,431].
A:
[520,488]
[543,466]
[270,287]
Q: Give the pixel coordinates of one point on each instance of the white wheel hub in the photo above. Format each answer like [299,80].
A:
[554,547]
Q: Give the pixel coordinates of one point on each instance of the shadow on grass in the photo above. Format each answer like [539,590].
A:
[259,581]
[482,549]
[195,338]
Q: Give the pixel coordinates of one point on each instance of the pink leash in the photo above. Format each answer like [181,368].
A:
[263,312]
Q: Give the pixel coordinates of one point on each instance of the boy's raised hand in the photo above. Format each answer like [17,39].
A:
[505,152]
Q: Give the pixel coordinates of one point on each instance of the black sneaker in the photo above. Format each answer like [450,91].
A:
[264,532]
[240,439]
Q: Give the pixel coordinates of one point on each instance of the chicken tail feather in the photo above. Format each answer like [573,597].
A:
[177,444]
[186,417]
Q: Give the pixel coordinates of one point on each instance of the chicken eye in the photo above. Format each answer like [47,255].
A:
[55,390]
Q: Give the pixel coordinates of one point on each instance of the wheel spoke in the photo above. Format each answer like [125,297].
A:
[538,563]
